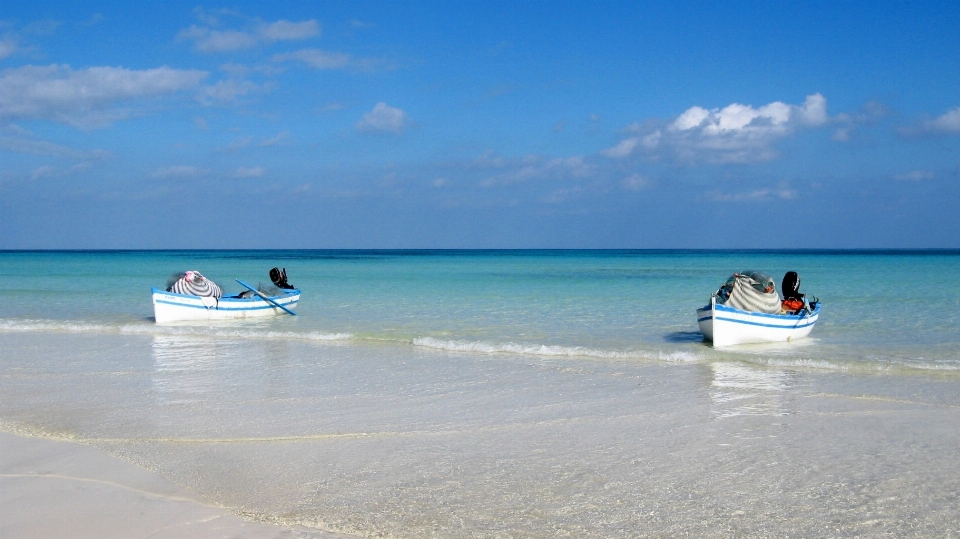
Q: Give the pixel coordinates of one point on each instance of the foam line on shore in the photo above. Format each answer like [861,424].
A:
[57,326]
[774,355]
[551,350]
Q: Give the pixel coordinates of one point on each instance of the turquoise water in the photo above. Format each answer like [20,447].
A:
[506,393]
[881,310]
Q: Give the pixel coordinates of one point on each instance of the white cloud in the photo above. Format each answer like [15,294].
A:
[249,172]
[13,35]
[735,133]
[757,195]
[85,97]
[949,122]
[39,147]
[284,30]
[178,171]
[246,141]
[280,138]
[8,46]
[440,182]
[692,117]
[849,123]
[317,59]
[842,134]
[208,40]
[915,176]
[50,171]
[46,171]
[385,119]
[15,139]
[814,110]
[491,160]
[212,17]
[227,92]
[358,24]
[531,167]
[624,148]
[237,144]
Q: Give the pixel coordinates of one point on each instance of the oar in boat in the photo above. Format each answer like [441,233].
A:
[262,295]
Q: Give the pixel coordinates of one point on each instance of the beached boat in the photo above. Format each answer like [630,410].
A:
[170,306]
[748,310]
[726,326]
[191,296]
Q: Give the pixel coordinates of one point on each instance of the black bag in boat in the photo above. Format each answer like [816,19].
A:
[791,286]
[279,278]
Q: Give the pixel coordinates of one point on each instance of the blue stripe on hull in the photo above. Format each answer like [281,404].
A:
[724,308]
[747,322]
[226,304]
[225,309]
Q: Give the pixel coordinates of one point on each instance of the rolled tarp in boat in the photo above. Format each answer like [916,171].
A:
[192,283]
[753,292]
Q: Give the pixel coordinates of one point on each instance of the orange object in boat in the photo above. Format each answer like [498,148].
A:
[792,304]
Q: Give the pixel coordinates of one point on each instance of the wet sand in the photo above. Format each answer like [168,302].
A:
[61,489]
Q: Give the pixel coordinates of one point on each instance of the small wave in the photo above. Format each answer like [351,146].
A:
[232,333]
[859,366]
[28,326]
[552,350]
[55,326]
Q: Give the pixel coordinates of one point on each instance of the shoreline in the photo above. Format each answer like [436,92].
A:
[54,488]
[366,440]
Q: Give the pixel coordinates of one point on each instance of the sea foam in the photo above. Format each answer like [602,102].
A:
[57,326]
[552,350]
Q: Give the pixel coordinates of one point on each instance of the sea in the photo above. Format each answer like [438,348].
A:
[506,393]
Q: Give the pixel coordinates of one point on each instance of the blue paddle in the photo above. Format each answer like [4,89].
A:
[257,292]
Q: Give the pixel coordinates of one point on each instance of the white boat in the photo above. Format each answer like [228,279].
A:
[169,306]
[726,326]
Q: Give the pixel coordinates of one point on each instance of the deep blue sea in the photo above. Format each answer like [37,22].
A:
[506,393]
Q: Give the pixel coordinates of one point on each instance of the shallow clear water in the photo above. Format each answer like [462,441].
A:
[881,311]
[507,394]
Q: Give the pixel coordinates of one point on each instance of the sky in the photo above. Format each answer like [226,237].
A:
[520,124]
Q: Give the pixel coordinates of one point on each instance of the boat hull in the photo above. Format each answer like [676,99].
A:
[170,307]
[726,326]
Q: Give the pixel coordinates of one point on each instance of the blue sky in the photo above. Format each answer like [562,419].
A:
[476,125]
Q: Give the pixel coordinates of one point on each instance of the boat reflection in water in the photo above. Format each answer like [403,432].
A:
[739,389]
[187,368]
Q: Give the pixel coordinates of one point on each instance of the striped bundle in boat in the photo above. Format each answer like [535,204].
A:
[194,284]
[746,297]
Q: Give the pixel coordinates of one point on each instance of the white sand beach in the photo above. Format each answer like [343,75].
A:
[61,489]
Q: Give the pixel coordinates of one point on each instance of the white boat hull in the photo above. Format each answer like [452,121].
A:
[170,307]
[726,326]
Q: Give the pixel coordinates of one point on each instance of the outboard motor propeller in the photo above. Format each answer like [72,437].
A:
[791,286]
[279,278]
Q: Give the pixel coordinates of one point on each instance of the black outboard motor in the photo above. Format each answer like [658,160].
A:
[279,278]
[791,286]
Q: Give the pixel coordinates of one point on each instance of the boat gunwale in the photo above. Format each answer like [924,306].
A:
[295,292]
[720,307]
